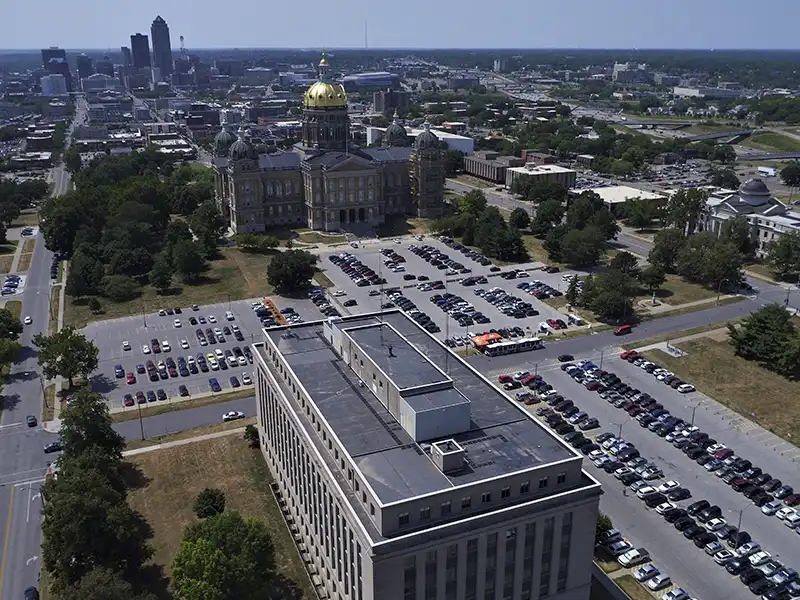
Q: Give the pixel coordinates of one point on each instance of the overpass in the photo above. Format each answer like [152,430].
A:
[722,135]
[769,156]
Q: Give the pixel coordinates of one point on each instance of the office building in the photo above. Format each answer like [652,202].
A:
[54,61]
[140,51]
[561,175]
[230,66]
[365,82]
[390,99]
[404,474]
[85,67]
[631,72]
[127,59]
[491,166]
[500,65]
[105,66]
[54,85]
[162,47]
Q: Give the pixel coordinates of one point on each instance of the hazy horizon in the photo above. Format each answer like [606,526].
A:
[420,25]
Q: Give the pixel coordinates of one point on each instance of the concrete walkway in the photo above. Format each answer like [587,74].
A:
[663,307]
[59,381]
[714,333]
[191,440]
[17,255]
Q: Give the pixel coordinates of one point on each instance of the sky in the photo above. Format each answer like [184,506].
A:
[703,24]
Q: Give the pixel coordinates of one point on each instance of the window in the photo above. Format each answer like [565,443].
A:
[525,487]
[425,513]
[471,570]
[491,566]
[505,492]
[510,563]
[446,508]
[563,558]
[403,519]
[451,572]
[466,502]
[543,483]
[562,477]
[547,556]
[410,578]
[430,575]
[486,497]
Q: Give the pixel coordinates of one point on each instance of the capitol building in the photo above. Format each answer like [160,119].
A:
[325,182]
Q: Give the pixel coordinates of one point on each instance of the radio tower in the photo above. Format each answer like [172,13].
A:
[366,39]
[183,49]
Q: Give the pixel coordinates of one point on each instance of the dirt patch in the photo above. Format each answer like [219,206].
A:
[29,245]
[24,262]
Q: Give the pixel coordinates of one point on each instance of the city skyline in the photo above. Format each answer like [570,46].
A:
[717,24]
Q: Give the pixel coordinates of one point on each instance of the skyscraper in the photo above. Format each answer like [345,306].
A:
[162,48]
[85,67]
[140,49]
[126,56]
[54,60]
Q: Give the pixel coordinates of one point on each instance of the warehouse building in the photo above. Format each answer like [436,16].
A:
[404,474]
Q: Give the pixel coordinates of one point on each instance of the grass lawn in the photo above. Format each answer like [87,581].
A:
[771,141]
[8,248]
[160,409]
[235,275]
[188,433]
[175,476]
[605,561]
[677,290]
[26,219]
[14,307]
[633,588]
[24,262]
[55,298]
[474,181]
[29,245]
[322,279]
[5,263]
[401,225]
[536,250]
[314,237]
[713,368]
[657,339]
[761,270]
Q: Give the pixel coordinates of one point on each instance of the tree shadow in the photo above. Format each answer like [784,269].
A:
[171,291]
[151,578]
[133,476]
[284,588]
[203,280]
[10,402]
[102,384]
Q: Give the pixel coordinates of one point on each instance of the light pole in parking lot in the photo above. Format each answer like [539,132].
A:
[739,525]
[620,424]
[694,410]
[141,423]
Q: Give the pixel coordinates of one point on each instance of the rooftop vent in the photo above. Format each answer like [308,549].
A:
[448,455]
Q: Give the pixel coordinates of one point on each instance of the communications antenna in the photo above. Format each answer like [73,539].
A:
[183,48]
[366,37]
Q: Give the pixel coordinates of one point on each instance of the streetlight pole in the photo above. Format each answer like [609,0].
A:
[141,423]
[602,352]
[694,410]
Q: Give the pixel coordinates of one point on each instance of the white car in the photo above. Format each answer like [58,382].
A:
[634,557]
[145,349]
[747,549]
[785,512]
[668,486]
[165,346]
[339,293]
[242,361]
[714,448]
[184,344]
[723,556]
[771,508]
[246,379]
[232,415]
[600,461]
[644,491]
[792,520]
[760,558]
[177,323]
[663,376]
[685,388]
[596,454]
[220,354]
[645,572]
[28,321]
[664,507]
[676,594]
[213,364]
[190,359]
[715,524]
[212,319]
[519,375]
[126,345]
[217,331]
[658,582]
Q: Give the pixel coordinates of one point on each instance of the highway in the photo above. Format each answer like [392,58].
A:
[23,463]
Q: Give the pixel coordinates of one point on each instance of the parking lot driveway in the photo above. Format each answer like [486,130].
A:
[139,330]
[769,531]
[370,256]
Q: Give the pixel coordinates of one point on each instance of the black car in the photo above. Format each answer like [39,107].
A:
[566,358]
[161,394]
[684,523]
[31,593]
[52,447]
[712,512]
[151,396]
[654,499]
[696,507]
[692,532]
[736,540]
[704,538]
[31,421]
[679,494]
[182,390]
[234,382]
[750,576]
[673,514]
[737,565]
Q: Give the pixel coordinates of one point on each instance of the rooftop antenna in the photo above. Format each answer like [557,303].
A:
[183,48]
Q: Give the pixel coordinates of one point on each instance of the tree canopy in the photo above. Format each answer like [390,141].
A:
[769,337]
[783,255]
[66,353]
[291,271]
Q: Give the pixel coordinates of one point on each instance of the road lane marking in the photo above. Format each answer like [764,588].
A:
[7,538]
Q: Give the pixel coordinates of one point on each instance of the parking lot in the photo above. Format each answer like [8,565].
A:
[141,330]
[644,526]
[368,298]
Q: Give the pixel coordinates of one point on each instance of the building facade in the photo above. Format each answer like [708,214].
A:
[561,175]
[85,67]
[162,47]
[326,182]
[491,166]
[54,60]
[405,475]
[140,51]
[54,85]
[768,217]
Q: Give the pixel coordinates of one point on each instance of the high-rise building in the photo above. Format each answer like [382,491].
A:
[105,66]
[405,474]
[140,51]
[127,61]
[162,48]
[54,60]
[85,67]
[54,85]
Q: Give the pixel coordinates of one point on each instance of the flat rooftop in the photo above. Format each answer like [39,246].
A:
[503,438]
[616,194]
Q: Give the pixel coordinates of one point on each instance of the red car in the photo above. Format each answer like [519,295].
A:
[593,385]
[628,353]
[792,500]
[128,400]
[131,378]
[505,378]
[723,454]
[623,330]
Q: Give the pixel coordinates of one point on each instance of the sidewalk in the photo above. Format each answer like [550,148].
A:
[199,438]
[17,255]
[59,381]
[663,307]
[714,333]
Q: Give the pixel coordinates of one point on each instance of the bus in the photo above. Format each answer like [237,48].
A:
[513,346]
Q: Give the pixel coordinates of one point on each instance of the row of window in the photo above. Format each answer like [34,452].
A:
[446,508]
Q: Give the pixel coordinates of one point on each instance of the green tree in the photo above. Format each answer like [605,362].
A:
[667,243]
[573,291]
[85,274]
[102,584]
[737,232]
[783,255]
[225,556]
[289,272]
[208,225]
[251,436]
[474,202]
[639,214]
[519,218]
[725,178]
[161,274]
[511,247]
[10,326]
[554,242]
[86,424]
[9,351]
[120,288]
[489,230]
[626,263]
[583,247]
[548,214]
[66,353]
[72,160]
[188,260]
[791,174]
[613,296]
[769,337]
[94,305]
[603,524]
[683,209]
[652,277]
[209,502]
[589,290]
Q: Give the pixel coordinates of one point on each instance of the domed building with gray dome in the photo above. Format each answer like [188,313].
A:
[769,218]
[326,182]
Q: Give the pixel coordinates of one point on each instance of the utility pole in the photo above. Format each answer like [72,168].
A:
[141,423]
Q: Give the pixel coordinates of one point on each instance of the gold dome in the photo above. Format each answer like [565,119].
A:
[324,94]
